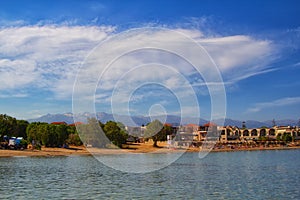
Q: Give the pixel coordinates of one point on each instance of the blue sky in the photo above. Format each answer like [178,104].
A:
[255,45]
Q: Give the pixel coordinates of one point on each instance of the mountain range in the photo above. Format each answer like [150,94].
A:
[143,120]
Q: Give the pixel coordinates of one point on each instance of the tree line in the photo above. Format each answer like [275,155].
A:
[38,133]
[52,135]
[93,133]
[10,126]
[101,135]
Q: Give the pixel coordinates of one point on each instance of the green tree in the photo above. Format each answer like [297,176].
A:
[168,130]
[262,138]
[74,139]
[279,137]
[71,130]
[156,131]
[73,136]
[49,135]
[20,130]
[92,133]
[115,134]
[33,132]
[287,137]
[8,125]
[61,134]
[44,131]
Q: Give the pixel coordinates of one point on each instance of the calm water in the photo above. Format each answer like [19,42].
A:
[231,175]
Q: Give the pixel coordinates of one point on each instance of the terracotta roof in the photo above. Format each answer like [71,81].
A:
[191,125]
[76,123]
[210,124]
[59,123]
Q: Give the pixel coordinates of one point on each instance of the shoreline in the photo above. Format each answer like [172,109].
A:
[256,149]
[132,149]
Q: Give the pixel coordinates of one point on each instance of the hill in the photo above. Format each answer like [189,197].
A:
[143,120]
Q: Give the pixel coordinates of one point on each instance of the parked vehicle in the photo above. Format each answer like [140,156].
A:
[16,143]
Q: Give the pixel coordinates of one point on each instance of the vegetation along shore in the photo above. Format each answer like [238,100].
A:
[21,138]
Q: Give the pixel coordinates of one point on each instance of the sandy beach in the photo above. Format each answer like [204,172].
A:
[82,150]
[131,148]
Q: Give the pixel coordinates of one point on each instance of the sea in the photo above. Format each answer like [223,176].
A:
[268,174]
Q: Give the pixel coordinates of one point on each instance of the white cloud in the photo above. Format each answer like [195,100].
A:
[276,103]
[47,57]
[297,64]
[240,55]
[14,95]
[15,73]
[6,23]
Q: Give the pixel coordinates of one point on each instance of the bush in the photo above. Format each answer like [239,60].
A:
[38,147]
[24,144]
[74,139]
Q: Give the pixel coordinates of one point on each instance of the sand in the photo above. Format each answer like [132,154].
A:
[131,148]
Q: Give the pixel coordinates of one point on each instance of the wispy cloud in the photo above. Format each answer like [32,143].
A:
[14,95]
[241,56]
[47,57]
[8,23]
[276,103]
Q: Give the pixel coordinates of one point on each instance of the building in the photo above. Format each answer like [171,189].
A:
[59,123]
[136,133]
[195,135]
[236,135]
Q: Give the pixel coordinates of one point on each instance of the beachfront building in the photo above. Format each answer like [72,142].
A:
[184,135]
[195,135]
[236,135]
[229,134]
[296,134]
[136,133]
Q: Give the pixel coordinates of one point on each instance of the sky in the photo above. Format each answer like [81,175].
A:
[53,54]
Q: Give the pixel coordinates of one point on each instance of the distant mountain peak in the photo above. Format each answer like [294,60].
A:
[139,120]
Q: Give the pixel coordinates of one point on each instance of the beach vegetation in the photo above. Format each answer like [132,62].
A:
[157,132]
[101,135]
[115,133]
[49,135]
[8,125]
